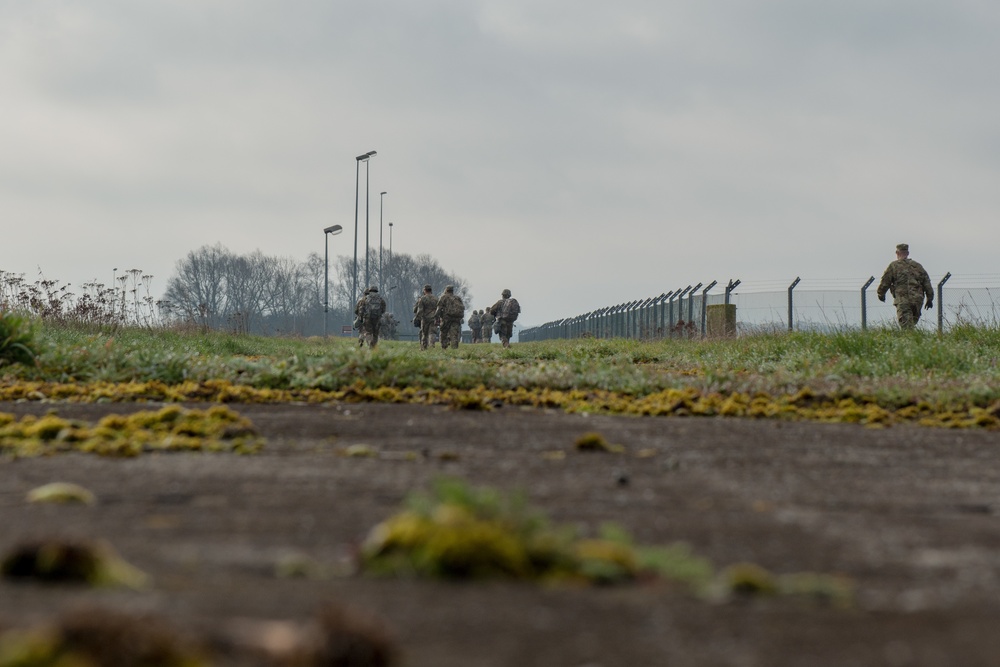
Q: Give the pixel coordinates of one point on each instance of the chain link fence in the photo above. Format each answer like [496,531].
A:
[700,310]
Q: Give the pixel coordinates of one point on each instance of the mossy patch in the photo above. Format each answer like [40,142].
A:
[55,561]
[172,428]
[464,533]
[460,532]
[844,406]
[99,638]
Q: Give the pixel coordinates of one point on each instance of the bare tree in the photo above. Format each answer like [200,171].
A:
[258,293]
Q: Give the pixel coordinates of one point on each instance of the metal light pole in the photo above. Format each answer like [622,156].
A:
[333,230]
[357,178]
[391,301]
[381,197]
[368,280]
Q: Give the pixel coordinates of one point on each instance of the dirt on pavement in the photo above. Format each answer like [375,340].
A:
[909,514]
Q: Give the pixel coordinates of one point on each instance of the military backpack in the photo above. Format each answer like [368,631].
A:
[374,307]
[510,309]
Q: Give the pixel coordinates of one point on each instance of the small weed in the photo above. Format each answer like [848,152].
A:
[99,638]
[90,563]
[17,339]
[61,492]
[593,441]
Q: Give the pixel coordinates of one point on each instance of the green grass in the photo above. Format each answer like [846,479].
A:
[887,367]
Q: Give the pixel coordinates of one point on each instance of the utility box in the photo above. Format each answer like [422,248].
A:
[720,320]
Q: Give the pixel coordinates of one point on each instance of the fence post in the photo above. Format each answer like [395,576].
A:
[704,305]
[940,300]
[864,303]
[691,303]
[790,288]
[733,284]
[663,310]
[680,308]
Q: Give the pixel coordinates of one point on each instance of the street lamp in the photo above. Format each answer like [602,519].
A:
[359,159]
[368,201]
[381,196]
[333,230]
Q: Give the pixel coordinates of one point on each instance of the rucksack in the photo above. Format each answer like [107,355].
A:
[454,308]
[510,309]
[374,307]
[475,321]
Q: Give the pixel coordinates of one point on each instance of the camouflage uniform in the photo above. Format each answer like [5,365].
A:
[909,284]
[387,326]
[424,311]
[486,332]
[476,324]
[368,324]
[504,327]
[451,312]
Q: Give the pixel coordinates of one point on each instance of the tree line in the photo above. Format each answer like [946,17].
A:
[214,288]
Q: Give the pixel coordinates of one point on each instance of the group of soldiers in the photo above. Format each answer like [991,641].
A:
[441,317]
[447,313]
[437,317]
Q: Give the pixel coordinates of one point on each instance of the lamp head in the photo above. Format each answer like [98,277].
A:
[333,229]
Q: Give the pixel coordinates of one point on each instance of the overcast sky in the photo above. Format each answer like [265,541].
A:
[580,152]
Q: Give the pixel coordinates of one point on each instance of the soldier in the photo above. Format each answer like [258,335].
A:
[909,284]
[435,331]
[387,326]
[451,312]
[368,315]
[476,324]
[423,313]
[487,320]
[506,311]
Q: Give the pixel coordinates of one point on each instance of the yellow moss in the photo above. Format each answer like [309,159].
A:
[592,442]
[750,579]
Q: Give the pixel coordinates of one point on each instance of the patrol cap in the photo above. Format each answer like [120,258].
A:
[505,293]
[428,288]
[373,289]
[449,288]
[903,247]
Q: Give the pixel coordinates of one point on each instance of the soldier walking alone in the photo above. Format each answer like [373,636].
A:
[423,315]
[909,284]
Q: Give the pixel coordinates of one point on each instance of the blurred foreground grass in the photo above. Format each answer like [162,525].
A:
[875,377]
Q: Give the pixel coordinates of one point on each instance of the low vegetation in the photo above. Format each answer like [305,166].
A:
[462,532]
[877,377]
[172,428]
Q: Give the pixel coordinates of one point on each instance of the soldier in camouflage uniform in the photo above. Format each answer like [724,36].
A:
[387,326]
[367,316]
[505,326]
[486,319]
[909,284]
[476,324]
[451,312]
[423,311]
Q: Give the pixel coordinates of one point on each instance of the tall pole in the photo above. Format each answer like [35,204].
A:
[381,198]
[326,283]
[357,185]
[357,179]
[368,281]
[393,299]
[327,233]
